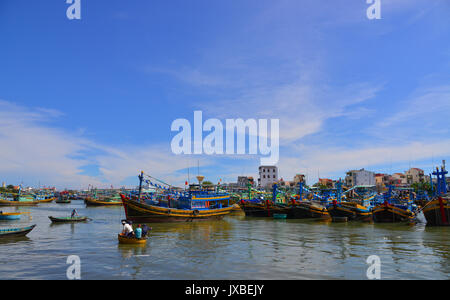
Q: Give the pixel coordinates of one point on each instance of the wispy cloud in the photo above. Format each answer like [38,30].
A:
[33,151]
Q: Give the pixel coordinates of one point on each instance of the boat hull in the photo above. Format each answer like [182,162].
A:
[130,241]
[307,210]
[352,212]
[15,232]
[391,214]
[46,200]
[145,213]
[68,220]
[92,202]
[261,210]
[437,212]
[63,201]
[9,216]
[18,203]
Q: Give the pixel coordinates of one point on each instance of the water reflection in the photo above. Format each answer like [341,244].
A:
[234,248]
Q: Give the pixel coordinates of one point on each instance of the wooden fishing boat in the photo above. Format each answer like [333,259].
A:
[46,200]
[171,205]
[95,202]
[63,201]
[147,213]
[437,212]
[131,240]
[15,232]
[9,216]
[350,210]
[392,213]
[68,219]
[18,203]
[262,209]
[307,210]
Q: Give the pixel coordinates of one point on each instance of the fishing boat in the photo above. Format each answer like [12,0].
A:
[103,198]
[18,200]
[392,213]
[172,205]
[131,240]
[264,207]
[15,232]
[101,202]
[308,209]
[308,205]
[353,209]
[393,209]
[9,216]
[437,211]
[63,198]
[63,201]
[68,219]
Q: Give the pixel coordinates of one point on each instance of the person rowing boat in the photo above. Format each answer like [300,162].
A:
[127,229]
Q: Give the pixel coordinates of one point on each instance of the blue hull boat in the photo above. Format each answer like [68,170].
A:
[9,216]
[15,232]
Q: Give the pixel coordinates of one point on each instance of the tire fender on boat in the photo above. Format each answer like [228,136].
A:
[195,212]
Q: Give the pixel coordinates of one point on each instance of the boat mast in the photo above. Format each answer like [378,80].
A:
[141,178]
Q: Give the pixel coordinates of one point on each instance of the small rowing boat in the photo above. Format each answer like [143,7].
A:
[68,219]
[9,216]
[15,232]
[131,240]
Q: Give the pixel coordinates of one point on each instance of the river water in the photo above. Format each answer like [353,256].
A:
[236,248]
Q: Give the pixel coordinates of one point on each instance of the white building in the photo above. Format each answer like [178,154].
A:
[359,177]
[268,175]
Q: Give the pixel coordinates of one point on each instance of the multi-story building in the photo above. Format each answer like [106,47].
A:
[299,178]
[359,177]
[400,177]
[326,182]
[244,181]
[268,175]
[414,175]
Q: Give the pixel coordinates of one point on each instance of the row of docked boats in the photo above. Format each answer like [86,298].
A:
[31,198]
[395,205]
[165,203]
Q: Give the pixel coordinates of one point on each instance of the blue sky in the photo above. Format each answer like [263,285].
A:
[91,101]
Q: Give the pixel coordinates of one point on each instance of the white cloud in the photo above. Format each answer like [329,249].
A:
[339,159]
[33,152]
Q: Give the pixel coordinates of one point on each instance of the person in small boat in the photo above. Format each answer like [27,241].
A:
[138,232]
[127,229]
[145,230]
[74,213]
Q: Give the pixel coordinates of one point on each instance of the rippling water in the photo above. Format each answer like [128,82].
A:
[234,248]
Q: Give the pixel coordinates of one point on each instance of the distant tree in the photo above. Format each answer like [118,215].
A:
[207,183]
[421,186]
[9,187]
